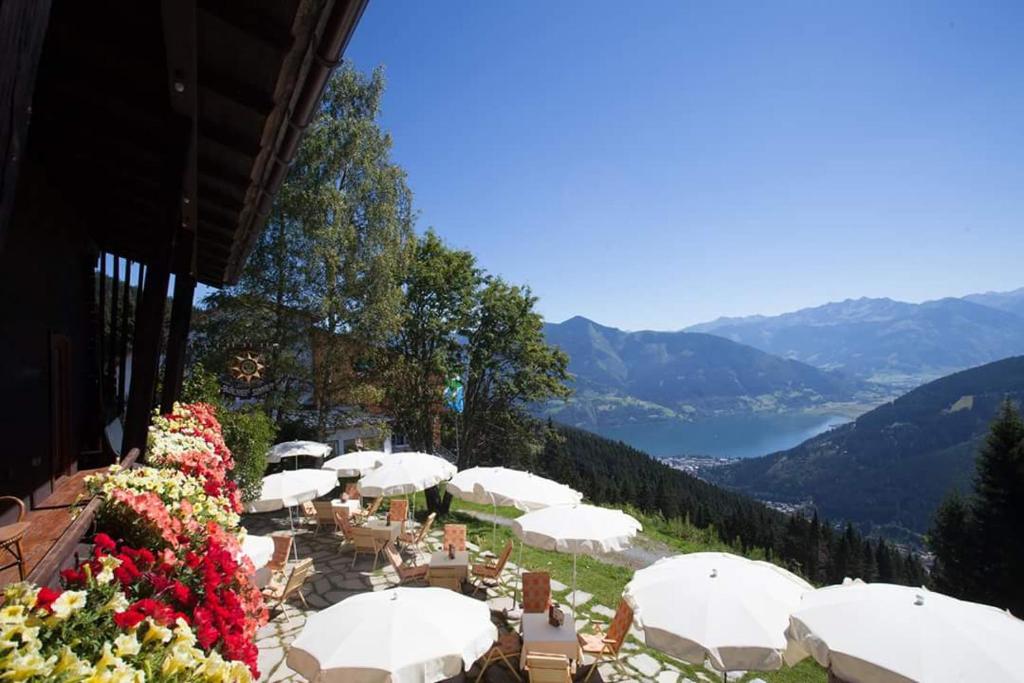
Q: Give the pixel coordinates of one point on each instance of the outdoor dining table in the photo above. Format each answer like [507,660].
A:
[448,572]
[382,530]
[541,636]
[352,504]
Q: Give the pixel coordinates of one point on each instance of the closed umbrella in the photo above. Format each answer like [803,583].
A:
[355,464]
[718,607]
[401,635]
[576,529]
[297,449]
[881,633]
[501,486]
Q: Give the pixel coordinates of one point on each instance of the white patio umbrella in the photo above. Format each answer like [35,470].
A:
[296,449]
[259,549]
[404,473]
[501,486]
[292,487]
[355,464]
[718,607]
[401,635]
[576,529]
[881,633]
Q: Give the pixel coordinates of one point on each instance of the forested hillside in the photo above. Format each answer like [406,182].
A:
[611,472]
[627,376]
[891,467]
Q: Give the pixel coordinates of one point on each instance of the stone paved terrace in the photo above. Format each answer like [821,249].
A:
[336,579]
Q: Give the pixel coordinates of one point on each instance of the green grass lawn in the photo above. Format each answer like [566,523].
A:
[605,581]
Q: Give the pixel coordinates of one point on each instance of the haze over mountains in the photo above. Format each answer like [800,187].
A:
[888,342]
[888,470]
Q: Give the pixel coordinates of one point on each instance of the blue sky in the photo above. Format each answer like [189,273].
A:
[656,164]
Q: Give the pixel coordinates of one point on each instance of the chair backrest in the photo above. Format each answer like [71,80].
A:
[299,574]
[375,505]
[324,510]
[393,557]
[341,519]
[398,511]
[547,668]
[19,503]
[364,538]
[619,627]
[503,558]
[455,535]
[425,529]
[309,509]
[282,546]
[352,491]
[536,591]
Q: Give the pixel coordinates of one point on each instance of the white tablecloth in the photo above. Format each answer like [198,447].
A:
[353,505]
[259,549]
[540,636]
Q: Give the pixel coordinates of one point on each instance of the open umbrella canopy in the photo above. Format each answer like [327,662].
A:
[259,549]
[881,633]
[501,486]
[296,449]
[586,529]
[355,464]
[404,473]
[725,608]
[291,487]
[399,635]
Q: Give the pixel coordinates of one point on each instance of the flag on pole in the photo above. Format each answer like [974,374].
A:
[454,394]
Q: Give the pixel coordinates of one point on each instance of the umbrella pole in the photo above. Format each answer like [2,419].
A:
[574,585]
[494,527]
[295,539]
[520,563]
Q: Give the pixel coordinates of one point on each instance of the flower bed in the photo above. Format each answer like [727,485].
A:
[167,594]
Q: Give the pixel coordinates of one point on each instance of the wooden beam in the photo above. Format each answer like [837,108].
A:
[146,354]
[247,96]
[22,30]
[123,350]
[177,339]
[248,21]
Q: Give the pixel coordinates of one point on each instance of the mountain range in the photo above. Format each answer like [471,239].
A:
[888,470]
[888,342]
[636,376]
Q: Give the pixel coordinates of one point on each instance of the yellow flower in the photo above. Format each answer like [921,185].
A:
[156,632]
[71,666]
[12,614]
[117,603]
[126,645]
[106,575]
[67,603]
[26,665]
[183,634]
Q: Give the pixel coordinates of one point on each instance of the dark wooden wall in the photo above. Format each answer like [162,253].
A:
[47,282]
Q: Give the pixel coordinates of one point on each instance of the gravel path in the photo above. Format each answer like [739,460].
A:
[643,552]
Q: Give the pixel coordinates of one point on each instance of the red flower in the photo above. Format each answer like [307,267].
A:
[104,542]
[45,597]
[72,577]
[130,618]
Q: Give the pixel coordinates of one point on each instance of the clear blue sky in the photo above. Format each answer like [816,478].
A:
[656,164]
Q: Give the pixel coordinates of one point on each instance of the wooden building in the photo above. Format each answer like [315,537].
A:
[141,144]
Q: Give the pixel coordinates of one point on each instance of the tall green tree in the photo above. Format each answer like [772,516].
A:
[323,288]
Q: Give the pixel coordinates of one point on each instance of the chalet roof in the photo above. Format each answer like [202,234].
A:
[171,125]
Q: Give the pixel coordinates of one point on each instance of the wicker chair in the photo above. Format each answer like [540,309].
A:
[406,573]
[11,535]
[548,668]
[506,649]
[415,539]
[536,591]
[278,592]
[455,535]
[490,573]
[282,547]
[605,645]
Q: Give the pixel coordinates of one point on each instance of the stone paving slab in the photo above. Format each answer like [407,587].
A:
[578,597]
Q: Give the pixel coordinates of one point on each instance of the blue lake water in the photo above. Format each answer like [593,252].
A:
[734,436]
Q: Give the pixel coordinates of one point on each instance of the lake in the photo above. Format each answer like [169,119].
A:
[734,436]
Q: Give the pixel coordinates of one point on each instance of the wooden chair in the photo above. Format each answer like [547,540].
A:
[318,513]
[277,593]
[414,539]
[536,591]
[406,573]
[506,649]
[372,510]
[282,547]
[398,511]
[548,668]
[491,572]
[605,645]
[366,542]
[343,522]
[11,535]
[455,535]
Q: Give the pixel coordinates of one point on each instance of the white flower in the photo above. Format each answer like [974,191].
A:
[68,603]
[156,632]
[126,645]
[106,575]
[117,603]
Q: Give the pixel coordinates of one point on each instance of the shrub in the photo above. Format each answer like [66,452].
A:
[249,434]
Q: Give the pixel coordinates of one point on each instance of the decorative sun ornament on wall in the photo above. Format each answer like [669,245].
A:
[247,367]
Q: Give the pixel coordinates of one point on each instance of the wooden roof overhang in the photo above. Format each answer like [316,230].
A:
[170,125]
